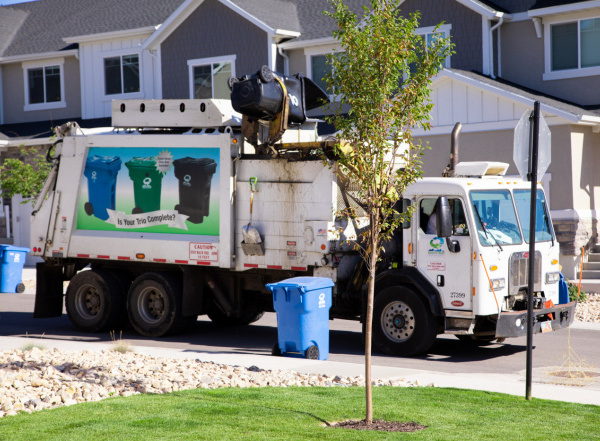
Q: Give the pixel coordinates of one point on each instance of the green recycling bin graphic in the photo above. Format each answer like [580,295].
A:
[147,184]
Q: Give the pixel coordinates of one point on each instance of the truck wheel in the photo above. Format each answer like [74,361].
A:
[402,324]
[219,318]
[154,305]
[89,209]
[94,301]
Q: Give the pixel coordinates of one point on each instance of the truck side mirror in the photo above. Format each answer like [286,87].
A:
[444,223]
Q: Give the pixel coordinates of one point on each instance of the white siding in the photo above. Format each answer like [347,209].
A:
[94,102]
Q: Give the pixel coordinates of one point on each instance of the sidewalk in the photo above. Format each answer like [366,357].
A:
[545,385]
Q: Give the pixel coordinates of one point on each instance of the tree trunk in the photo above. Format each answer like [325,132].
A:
[372,263]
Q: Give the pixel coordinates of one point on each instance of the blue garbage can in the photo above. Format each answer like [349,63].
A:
[12,260]
[302,305]
[101,172]
[563,290]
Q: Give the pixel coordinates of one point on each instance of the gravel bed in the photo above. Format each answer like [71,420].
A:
[38,379]
[589,311]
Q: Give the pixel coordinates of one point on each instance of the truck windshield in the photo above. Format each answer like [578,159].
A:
[543,230]
[495,218]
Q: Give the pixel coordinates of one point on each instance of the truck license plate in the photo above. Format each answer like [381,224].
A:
[546,327]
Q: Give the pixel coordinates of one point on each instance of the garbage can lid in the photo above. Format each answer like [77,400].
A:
[14,248]
[141,163]
[201,162]
[98,161]
[303,283]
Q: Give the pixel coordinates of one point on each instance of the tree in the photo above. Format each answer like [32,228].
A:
[383,73]
[24,176]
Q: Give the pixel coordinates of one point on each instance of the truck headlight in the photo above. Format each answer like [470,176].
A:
[552,277]
[498,284]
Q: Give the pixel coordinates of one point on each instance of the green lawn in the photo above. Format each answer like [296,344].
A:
[301,414]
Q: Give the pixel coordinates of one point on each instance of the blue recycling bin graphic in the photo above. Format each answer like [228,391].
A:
[101,173]
[12,260]
[302,305]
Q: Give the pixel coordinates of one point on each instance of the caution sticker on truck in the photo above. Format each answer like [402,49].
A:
[205,252]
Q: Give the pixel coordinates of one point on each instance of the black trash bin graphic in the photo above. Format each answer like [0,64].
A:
[194,175]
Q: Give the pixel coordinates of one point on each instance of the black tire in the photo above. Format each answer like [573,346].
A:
[95,301]
[403,324]
[265,74]
[154,305]
[248,316]
[312,353]
[137,210]
[20,288]
[89,209]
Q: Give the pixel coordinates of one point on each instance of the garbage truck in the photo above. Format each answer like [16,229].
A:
[188,207]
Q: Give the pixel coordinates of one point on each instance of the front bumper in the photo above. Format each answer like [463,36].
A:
[514,323]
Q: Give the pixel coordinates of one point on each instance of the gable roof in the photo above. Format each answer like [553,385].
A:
[482,103]
[40,26]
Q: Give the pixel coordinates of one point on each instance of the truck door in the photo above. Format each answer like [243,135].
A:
[449,271]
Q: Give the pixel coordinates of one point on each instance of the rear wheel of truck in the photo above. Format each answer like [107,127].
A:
[402,324]
[154,305]
[95,301]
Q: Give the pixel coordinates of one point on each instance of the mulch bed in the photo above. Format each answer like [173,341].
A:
[381,425]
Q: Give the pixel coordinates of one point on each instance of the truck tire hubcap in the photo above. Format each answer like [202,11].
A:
[88,301]
[398,321]
[151,305]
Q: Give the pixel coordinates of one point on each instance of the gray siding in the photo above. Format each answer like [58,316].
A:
[465,33]
[212,30]
[13,90]
[523,63]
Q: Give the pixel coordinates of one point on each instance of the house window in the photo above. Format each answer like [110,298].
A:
[320,68]
[431,34]
[209,77]
[44,85]
[121,74]
[575,45]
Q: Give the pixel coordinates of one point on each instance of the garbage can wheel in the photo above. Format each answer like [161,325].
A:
[231,81]
[137,210]
[20,288]
[276,351]
[312,353]
[89,209]
[265,74]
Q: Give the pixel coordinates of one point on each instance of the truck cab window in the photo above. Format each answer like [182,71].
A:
[495,218]
[427,217]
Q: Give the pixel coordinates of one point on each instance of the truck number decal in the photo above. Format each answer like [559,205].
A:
[457,295]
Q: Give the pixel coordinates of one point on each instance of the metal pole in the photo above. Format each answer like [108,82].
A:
[533,178]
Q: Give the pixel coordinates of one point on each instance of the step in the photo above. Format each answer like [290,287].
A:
[589,285]
[594,257]
[591,266]
[589,274]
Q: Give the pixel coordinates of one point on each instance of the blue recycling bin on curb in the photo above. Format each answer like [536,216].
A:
[101,173]
[302,305]
[12,260]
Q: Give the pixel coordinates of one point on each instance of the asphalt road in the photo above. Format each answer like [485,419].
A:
[448,355]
